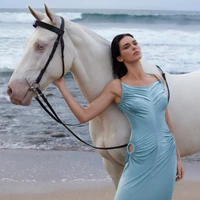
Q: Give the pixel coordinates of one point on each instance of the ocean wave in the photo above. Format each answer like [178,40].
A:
[177,51]
[181,19]
[23,17]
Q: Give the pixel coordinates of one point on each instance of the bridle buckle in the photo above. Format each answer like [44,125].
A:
[33,86]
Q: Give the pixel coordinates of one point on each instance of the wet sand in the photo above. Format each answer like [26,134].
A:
[67,175]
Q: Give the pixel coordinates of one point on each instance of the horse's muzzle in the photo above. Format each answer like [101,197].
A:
[19,93]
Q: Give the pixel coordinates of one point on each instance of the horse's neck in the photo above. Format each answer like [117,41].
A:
[92,64]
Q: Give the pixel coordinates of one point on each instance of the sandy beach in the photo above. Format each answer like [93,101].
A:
[66,175]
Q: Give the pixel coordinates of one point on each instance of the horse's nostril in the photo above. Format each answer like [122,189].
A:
[9,91]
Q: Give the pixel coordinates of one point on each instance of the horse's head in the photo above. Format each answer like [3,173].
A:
[38,49]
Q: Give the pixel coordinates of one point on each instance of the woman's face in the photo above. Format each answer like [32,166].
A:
[129,50]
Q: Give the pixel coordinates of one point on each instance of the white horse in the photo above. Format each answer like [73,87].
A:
[87,56]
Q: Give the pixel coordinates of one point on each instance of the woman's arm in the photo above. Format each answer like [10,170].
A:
[95,108]
[180,170]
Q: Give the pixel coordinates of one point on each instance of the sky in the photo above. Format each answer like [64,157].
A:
[106,4]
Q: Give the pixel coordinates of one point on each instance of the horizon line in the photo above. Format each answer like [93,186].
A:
[180,10]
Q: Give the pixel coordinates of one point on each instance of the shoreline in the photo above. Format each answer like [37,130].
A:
[184,190]
[63,175]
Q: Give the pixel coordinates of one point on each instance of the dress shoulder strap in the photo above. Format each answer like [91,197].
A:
[159,78]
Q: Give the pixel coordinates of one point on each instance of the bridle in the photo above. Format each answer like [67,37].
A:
[59,31]
[35,86]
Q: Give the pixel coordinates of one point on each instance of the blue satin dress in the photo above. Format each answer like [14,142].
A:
[150,168]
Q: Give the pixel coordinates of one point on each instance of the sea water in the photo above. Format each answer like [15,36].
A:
[169,39]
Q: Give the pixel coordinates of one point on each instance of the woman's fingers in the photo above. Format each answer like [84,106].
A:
[180,171]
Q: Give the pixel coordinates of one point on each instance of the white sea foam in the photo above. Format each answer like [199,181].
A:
[23,17]
[17,145]
[70,15]
[15,17]
[8,180]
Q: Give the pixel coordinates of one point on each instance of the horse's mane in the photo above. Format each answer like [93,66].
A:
[95,36]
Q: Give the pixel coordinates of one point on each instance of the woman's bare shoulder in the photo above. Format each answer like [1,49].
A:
[115,81]
[114,84]
[114,87]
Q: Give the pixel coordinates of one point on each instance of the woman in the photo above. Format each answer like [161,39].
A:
[152,158]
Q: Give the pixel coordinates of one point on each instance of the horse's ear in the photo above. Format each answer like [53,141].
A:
[51,15]
[38,15]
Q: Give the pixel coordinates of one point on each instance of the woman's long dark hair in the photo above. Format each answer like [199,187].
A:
[119,68]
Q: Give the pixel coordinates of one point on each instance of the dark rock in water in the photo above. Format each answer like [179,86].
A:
[9,116]
[49,95]
[47,132]
[58,135]
[173,72]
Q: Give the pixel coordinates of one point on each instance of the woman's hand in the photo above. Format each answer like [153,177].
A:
[59,82]
[180,170]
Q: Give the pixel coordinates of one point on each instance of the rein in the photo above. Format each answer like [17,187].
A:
[35,85]
[164,77]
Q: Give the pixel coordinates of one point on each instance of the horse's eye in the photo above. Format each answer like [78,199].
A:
[40,47]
